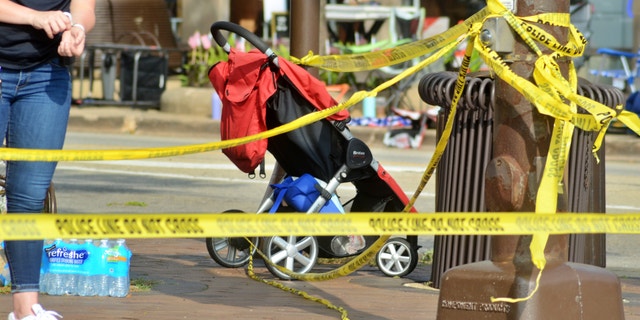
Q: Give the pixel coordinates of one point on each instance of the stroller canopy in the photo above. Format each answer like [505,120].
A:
[248,84]
[243,80]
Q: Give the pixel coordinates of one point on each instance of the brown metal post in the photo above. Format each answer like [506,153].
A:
[521,142]
[305,28]
[305,36]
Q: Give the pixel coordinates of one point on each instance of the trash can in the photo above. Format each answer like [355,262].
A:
[143,75]
[460,173]
[586,178]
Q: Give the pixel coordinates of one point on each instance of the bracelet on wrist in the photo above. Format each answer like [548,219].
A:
[77,25]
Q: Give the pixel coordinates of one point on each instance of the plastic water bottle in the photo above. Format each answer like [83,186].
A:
[100,265]
[44,266]
[119,260]
[86,285]
[55,279]
[70,269]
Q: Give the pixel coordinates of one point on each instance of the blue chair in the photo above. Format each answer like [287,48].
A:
[621,78]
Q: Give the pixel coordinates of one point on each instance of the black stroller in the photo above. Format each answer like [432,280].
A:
[325,150]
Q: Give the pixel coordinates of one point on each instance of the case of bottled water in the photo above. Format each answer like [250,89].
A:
[85,269]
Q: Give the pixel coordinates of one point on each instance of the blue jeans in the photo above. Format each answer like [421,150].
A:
[34,111]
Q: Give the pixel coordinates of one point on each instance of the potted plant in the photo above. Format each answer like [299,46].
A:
[201,57]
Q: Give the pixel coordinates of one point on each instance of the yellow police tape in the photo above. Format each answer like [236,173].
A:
[199,225]
[551,94]
[395,55]
[343,312]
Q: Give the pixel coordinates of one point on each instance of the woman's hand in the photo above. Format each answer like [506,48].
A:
[52,22]
[72,43]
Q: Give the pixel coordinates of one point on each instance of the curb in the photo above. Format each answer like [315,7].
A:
[134,121]
[137,121]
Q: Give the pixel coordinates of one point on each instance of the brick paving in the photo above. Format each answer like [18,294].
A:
[190,285]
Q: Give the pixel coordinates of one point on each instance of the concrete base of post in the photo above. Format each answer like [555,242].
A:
[566,291]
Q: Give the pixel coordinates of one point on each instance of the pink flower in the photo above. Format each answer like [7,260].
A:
[194,40]
[206,42]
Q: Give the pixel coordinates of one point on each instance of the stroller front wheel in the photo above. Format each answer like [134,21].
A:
[397,258]
[296,254]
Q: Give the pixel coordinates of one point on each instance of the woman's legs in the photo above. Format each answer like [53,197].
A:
[34,112]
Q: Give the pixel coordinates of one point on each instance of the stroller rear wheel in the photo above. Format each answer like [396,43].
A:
[397,257]
[297,254]
[231,252]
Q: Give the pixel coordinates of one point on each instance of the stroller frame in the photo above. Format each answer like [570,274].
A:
[376,189]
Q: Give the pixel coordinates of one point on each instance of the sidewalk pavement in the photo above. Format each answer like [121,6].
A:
[188,284]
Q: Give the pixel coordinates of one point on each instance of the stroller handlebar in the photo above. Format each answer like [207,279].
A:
[246,34]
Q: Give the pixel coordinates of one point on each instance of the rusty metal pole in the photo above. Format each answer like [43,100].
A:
[521,143]
[517,163]
[305,28]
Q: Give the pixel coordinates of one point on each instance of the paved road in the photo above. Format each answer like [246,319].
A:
[189,285]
